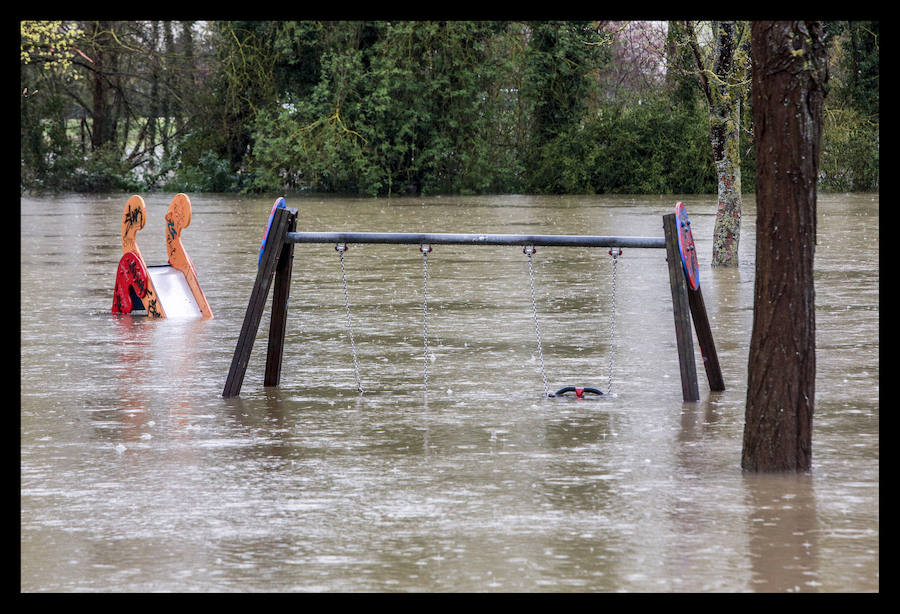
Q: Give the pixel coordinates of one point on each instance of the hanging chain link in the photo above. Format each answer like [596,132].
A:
[530,251]
[615,252]
[341,248]
[425,249]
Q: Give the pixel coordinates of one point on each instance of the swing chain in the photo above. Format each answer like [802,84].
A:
[425,249]
[615,252]
[530,251]
[341,248]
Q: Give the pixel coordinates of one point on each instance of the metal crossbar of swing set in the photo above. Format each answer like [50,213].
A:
[275,266]
[416,238]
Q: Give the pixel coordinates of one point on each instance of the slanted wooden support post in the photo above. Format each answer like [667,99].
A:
[681,309]
[705,339]
[280,296]
[257,303]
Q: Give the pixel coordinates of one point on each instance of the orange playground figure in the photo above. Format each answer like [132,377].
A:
[166,290]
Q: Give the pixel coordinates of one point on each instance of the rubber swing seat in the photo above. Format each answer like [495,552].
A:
[578,390]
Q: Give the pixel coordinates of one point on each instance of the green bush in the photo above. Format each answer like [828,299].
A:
[209,174]
[649,147]
[104,171]
[407,111]
[849,158]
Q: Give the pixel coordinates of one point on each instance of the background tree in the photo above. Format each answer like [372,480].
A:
[50,44]
[722,77]
[240,83]
[47,55]
[789,78]
[111,110]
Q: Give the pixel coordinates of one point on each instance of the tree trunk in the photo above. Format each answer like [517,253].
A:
[724,135]
[153,115]
[187,38]
[100,112]
[168,80]
[722,84]
[789,75]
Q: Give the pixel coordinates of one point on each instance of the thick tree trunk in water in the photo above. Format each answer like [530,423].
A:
[789,74]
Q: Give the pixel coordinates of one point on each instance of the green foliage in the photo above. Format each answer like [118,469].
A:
[49,162]
[681,80]
[855,73]
[305,142]
[43,142]
[51,44]
[405,107]
[381,108]
[210,174]
[647,147]
[224,110]
[104,170]
[849,158]
[559,61]
[850,136]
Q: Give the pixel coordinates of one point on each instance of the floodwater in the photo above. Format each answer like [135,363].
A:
[136,475]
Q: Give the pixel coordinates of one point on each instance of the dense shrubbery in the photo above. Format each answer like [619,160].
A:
[651,147]
[381,123]
[412,107]
[849,160]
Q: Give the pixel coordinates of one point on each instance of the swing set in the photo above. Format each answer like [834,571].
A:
[275,262]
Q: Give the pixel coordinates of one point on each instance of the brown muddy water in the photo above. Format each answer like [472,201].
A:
[136,475]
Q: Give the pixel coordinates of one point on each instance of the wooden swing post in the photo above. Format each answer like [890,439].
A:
[687,305]
[277,251]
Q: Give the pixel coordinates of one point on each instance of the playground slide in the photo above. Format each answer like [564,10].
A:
[166,290]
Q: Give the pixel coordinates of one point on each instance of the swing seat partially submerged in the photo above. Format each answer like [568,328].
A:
[166,290]
[579,391]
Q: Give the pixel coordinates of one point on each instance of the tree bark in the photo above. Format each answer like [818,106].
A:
[724,134]
[153,115]
[789,75]
[100,112]
[722,85]
[169,80]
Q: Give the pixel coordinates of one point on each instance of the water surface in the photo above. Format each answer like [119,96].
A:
[136,475]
